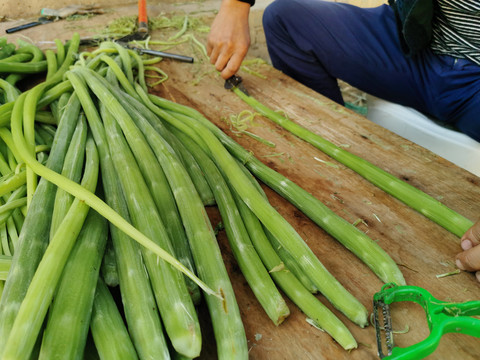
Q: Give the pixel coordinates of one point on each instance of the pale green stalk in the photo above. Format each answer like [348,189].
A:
[51,63]
[12,205]
[408,194]
[272,220]
[97,204]
[247,258]
[11,93]
[60,51]
[14,214]
[163,198]
[4,167]
[45,117]
[35,230]
[4,240]
[66,331]
[5,264]
[353,239]
[108,330]
[226,320]
[176,309]
[13,157]
[141,311]
[291,263]
[194,171]
[34,306]
[72,169]
[30,108]
[126,61]
[12,182]
[12,233]
[108,268]
[289,284]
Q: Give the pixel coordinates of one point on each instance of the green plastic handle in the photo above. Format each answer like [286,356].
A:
[443,317]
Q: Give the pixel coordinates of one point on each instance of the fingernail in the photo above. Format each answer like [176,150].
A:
[459,264]
[466,244]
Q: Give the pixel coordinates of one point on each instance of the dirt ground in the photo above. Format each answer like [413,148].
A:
[30,9]
[113,10]
[10,9]
[12,15]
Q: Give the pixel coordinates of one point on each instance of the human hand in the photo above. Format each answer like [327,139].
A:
[469,258]
[229,37]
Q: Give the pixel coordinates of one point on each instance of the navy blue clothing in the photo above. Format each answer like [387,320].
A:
[317,42]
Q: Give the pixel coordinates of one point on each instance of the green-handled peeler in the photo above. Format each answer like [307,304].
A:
[442,317]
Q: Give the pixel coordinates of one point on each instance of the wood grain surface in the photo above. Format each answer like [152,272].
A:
[420,247]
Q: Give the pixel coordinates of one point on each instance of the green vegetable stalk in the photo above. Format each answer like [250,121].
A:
[352,238]
[34,306]
[111,338]
[239,239]
[411,196]
[269,217]
[141,311]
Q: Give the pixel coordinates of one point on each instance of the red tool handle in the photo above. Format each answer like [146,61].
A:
[142,16]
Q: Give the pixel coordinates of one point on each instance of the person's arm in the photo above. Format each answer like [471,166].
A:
[469,258]
[229,37]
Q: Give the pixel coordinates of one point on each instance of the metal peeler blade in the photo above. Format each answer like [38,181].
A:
[387,327]
[235,81]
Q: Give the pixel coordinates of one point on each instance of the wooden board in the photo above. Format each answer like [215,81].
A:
[421,248]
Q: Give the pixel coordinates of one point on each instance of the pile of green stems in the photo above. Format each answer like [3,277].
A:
[107,186]
[408,194]
[17,61]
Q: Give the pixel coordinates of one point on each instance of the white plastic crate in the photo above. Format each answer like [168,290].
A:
[452,145]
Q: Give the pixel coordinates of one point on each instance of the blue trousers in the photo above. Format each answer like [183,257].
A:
[317,42]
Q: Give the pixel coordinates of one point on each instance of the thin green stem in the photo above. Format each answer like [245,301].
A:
[356,241]
[411,196]
[274,222]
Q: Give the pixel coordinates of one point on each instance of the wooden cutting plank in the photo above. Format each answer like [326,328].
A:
[421,248]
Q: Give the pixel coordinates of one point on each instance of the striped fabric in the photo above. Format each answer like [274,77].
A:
[456,29]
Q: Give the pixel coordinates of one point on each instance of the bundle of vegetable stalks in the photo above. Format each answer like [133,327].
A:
[113,191]
[425,204]
[17,62]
